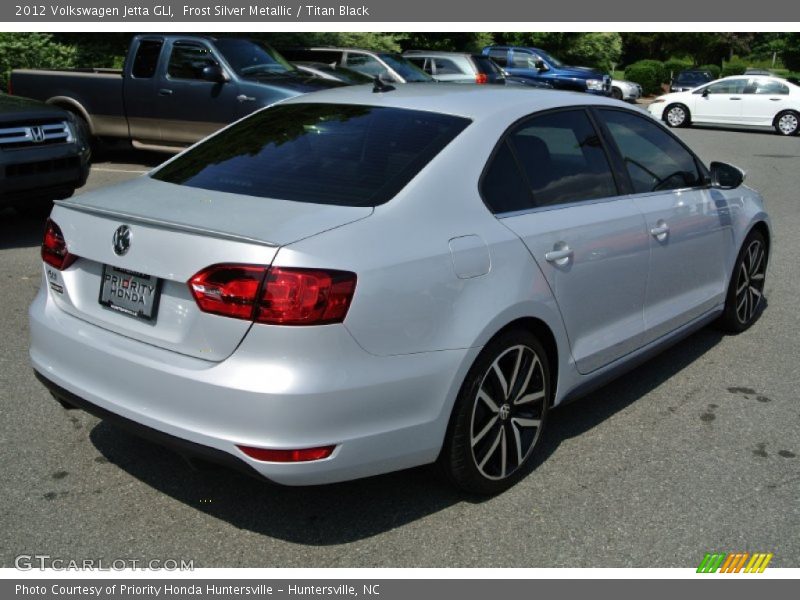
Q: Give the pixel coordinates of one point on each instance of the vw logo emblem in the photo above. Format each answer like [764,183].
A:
[122,240]
[505,412]
[37,134]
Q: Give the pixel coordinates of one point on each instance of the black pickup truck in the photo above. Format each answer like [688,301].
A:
[44,155]
[173,89]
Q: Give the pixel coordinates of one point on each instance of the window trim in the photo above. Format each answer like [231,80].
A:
[160,58]
[613,164]
[612,144]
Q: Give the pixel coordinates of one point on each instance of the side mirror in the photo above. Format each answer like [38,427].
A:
[540,66]
[705,92]
[213,73]
[725,176]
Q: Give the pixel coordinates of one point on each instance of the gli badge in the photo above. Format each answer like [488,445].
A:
[122,240]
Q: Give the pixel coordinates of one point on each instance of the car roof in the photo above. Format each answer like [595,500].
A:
[442,53]
[347,49]
[473,102]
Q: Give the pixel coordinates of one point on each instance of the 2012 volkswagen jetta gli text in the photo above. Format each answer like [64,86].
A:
[357,281]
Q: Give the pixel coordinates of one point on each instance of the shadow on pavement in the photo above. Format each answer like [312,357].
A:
[20,231]
[346,512]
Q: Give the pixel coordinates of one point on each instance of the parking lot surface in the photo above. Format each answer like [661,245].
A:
[695,451]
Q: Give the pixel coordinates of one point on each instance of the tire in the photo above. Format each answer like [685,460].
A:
[36,208]
[616,93]
[498,417]
[787,123]
[745,299]
[677,115]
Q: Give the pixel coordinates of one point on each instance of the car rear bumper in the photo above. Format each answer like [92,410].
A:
[382,413]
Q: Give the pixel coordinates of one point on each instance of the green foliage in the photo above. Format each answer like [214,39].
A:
[456,42]
[32,51]
[650,74]
[735,66]
[673,66]
[791,52]
[715,70]
[358,39]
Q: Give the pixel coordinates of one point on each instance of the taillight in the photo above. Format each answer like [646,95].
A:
[276,295]
[481,78]
[302,455]
[54,248]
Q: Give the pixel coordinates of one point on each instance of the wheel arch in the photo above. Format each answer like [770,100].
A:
[73,106]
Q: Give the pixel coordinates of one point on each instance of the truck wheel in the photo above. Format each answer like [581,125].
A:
[616,93]
[36,208]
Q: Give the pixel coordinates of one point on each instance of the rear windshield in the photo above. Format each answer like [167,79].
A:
[338,154]
[406,69]
[486,65]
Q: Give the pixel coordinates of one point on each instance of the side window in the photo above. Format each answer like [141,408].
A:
[188,59]
[562,158]
[422,63]
[146,59]
[500,57]
[654,159]
[522,60]
[503,187]
[771,86]
[729,86]
[364,63]
[445,66]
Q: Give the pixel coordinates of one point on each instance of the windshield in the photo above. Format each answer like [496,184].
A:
[549,58]
[248,57]
[337,154]
[694,77]
[404,68]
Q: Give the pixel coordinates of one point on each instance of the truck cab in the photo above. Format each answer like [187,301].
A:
[538,65]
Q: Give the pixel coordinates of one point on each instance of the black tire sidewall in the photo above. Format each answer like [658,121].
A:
[685,110]
[729,321]
[778,118]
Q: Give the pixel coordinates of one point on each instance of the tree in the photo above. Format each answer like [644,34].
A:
[791,52]
[590,49]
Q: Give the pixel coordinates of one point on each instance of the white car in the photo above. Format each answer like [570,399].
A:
[748,100]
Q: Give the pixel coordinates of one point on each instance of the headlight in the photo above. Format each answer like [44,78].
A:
[594,84]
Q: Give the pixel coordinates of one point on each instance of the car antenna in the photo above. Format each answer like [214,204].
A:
[381,86]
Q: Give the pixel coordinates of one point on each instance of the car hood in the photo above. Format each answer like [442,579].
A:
[580,72]
[300,83]
[16,108]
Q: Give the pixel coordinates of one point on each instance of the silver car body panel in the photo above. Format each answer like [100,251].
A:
[382,384]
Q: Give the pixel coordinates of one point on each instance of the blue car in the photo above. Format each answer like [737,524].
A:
[537,65]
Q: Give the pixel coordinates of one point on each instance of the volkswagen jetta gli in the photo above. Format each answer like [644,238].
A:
[357,281]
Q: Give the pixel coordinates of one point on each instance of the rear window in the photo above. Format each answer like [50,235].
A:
[486,65]
[337,154]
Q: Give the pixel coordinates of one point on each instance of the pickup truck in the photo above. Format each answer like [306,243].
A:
[538,65]
[43,154]
[173,89]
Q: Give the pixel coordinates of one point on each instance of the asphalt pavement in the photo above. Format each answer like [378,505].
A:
[695,451]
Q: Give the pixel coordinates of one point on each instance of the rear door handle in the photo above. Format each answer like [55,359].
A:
[165,92]
[735,98]
[560,256]
[243,98]
[776,99]
[660,231]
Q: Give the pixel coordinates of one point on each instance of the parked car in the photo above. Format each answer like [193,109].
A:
[391,66]
[752,71]
[174,89]
[44,154]
[333,72]
[536,64]
[258,300]
[689,79]
[457,67]
[741,100]
[627,91]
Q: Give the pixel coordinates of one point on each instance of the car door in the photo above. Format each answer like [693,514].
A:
[140,91]
[719,102]
[765,98]
[550,182]
[689,230]
[189,106]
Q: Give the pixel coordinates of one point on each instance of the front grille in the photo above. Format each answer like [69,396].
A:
[38,134]
[43,166]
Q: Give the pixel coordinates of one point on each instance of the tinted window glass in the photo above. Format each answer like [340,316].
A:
[445,66]
[654,159]
[729,86]
[322,153]
[363,63]
[323,56]
[187,60]
[146,59]
[406,70]
[770,86]
[499,56]
[522,60]
[503,187]
[251,58]
[563,159]
[486,65]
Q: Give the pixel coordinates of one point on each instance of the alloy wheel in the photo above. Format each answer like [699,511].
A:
[750,281]
[507,412]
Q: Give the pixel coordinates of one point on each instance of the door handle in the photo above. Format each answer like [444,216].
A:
[560,256]
[243,98]
[165,92]
[775,99]
[660,231]
[734,98]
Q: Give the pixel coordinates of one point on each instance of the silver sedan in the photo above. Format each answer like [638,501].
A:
[362,280]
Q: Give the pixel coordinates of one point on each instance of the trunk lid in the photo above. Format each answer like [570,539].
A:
[176,231]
